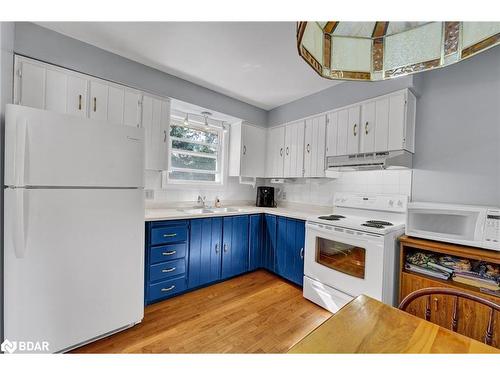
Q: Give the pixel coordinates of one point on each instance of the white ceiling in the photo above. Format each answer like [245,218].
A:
[256,62]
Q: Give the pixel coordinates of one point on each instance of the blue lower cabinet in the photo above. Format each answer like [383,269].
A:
[165,253]
[166,288]
[256,242]
[167,270]
[205,252]
[269,242]
[290,249]
[234,246]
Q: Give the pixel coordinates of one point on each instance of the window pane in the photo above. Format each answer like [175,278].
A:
[186,146]
[193,162]
[194,134]
[178,175]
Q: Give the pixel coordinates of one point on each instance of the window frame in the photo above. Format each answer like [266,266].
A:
[219,156]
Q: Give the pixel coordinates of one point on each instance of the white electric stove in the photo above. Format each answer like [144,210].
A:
[353,251]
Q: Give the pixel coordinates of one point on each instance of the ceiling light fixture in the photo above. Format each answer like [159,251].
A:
[374,51]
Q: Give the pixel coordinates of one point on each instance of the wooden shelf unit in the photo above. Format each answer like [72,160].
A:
[474,317]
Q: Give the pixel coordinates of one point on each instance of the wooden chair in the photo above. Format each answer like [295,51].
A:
[457,294]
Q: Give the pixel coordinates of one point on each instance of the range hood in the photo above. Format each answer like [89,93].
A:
[400,159]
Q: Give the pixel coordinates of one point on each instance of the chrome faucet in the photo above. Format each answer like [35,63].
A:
[202,201]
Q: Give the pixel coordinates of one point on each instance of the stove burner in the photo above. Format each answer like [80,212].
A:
[379,222]
[331,217]
[373,225]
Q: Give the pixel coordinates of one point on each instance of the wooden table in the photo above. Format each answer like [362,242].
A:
[366,325]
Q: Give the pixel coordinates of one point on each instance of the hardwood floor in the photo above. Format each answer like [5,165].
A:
[254,313]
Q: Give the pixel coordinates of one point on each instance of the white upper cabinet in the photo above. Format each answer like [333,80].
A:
[382,124]
[314,149]
[293,160]
[76,96]
[155,121]
[30,85]
[275,152]
[247,150]
[98,100]
[116,98]
[132,107]
[353,130]
[56,95]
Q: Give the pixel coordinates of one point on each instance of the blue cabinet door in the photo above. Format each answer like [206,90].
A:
[290,249]
[269,245]
[205,251]
[256,241]
[235,246]
[298,271]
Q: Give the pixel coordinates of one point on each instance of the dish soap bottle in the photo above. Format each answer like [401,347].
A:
[217,202]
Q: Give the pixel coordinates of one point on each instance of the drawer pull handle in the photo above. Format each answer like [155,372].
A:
[216,248]
[170,235]
[225,248]
[168,289]
[95,104]
[80,102]
[168,270]
[167,253]
[302,253]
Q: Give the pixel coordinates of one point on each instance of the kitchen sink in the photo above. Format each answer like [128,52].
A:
[197,211]
[224,209]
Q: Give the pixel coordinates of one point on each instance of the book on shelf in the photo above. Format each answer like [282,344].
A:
[440,267]
[477,282]
[427,271]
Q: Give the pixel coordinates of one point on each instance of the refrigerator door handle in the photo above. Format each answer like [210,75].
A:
[20,222]
[20,156]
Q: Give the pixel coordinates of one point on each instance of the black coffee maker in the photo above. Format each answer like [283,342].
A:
[265,196]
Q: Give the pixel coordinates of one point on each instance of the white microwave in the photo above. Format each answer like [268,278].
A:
[465,225]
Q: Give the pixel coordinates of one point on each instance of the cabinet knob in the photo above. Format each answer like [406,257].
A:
[281,151]
[244,150]
[308,148]
[354,129]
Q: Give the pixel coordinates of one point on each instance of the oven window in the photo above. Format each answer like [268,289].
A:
[341,257]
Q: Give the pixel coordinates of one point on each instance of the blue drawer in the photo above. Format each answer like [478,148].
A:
[167,269]
[167,252]
[170,234]
[166,288]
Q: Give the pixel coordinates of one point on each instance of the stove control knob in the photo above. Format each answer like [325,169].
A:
[391,203]
[400,203]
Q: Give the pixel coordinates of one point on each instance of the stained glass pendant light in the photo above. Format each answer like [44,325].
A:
[373,51]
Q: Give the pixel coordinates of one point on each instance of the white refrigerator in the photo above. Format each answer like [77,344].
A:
[74,228]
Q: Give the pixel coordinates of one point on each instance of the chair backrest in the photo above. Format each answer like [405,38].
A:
[428,292]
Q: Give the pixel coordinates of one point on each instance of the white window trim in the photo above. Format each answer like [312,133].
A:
[221,163]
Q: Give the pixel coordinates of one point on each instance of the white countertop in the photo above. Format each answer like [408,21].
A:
[294,211]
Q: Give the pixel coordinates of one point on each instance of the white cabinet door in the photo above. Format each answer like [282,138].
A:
[252,152]
[314,150]
[115,104]
[343,124]
[31,91]
[275,152]
[293,163]
[132,108]
[397,109]
[381,124]
[164,135]
[56,98]
[367,141]
[332,133]
[155,120]
[76,96]
[98,100]
[353,130]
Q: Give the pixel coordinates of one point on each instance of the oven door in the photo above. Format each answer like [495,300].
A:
[347,260]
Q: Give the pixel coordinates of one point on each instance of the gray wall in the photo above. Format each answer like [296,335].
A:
[457,151]
[457,145]
[6,75]
[43,44]
[335,97]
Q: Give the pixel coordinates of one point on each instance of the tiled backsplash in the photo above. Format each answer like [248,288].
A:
[232,190]
[320,191]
